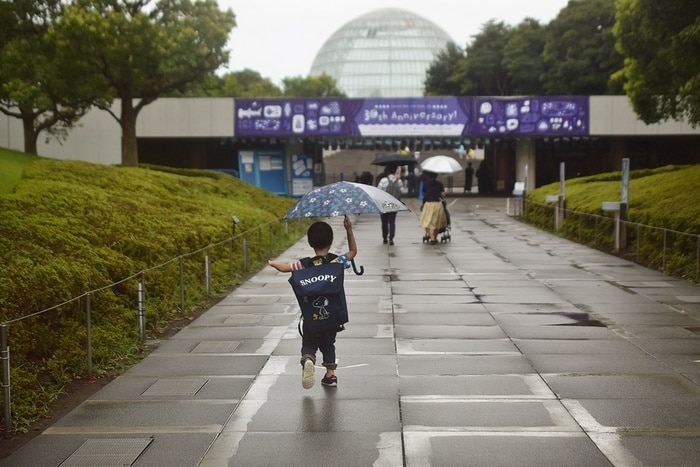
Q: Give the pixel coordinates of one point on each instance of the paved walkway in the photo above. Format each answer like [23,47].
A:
[505,346]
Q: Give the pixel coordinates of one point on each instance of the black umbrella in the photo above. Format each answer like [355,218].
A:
[394,158]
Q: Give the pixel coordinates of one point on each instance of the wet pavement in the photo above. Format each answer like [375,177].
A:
[504,346]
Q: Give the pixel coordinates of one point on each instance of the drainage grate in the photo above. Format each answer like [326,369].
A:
[107,452]
[216,347]
[175,387]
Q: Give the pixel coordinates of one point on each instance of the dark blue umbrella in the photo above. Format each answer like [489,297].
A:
[342,198]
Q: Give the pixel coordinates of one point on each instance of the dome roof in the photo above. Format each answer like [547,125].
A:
[384,53]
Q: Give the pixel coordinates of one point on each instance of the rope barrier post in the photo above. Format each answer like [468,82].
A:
[88,325]
[5,356]
[230,260]
[182,283]
[245,252]
[207,273]
[142,311]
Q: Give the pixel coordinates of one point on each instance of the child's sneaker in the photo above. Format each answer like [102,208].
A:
[331,381]
[307,375]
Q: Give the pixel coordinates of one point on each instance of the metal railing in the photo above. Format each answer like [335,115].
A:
[191,276]
[669,251]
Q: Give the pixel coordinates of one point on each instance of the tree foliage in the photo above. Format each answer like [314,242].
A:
[311,86]
[440,78]
[35,86]
[483,72]
[522,57]
[661,72]
[138,52]
[580,55]
[573,54]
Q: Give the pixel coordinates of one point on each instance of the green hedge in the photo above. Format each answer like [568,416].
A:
[663,216]
[67,228]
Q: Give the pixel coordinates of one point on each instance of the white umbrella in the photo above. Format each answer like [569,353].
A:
[441,165]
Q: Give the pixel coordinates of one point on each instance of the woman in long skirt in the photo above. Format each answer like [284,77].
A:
[433,215]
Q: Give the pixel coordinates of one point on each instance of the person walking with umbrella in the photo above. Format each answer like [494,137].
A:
[391,183]
[433,216]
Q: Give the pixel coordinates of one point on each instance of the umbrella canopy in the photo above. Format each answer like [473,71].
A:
[341,198]
[441,165]
[394,158]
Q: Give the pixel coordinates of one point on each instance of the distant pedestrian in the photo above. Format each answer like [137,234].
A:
[390,182]
[433,217]
[468,178]
[411,181]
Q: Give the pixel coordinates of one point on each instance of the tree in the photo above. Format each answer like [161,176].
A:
[440,78]
[522,57]
[244,83]
[311,86]
[138,53]
[249,83]
[661,72]
[35,87]
[580,54]
[483,72]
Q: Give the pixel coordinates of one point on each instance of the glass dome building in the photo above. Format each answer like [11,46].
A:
[384,53]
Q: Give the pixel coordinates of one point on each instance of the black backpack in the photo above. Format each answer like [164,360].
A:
[320,293]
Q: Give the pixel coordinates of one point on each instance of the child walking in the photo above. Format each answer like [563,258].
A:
[320,238]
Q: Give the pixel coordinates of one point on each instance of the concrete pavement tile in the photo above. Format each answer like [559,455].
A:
[668,346]
[327,414]
[474,317]
[653,414]
[427,311]
[597,363]
[448,331]
[666,318]
[305,449]
[622,386]
[463,365]
[198,365]
[558,332]
[660,450]
[577,347]
[503,450]
[111,414]
[475,386]
[222,387]
[166,448]
[224,332]
[455,346]
[480,415]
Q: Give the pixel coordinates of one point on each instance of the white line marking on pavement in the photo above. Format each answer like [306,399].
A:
[605,438]
[226,444]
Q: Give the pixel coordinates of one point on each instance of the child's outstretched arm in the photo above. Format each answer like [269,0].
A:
[280,266]
[352,246]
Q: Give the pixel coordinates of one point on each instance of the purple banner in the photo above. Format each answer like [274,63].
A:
[428,116]
[522,116]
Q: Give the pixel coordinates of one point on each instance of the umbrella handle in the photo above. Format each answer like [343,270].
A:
[354,268]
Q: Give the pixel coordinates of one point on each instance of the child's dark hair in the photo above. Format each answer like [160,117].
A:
[320,235]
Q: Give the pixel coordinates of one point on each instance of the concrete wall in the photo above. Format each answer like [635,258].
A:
[97,137]
[613,116]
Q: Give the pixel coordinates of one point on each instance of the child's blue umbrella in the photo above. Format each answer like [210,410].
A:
[343,198]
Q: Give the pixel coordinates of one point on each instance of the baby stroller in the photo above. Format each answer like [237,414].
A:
[443,234]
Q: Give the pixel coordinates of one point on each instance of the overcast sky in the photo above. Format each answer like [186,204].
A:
[280,38]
